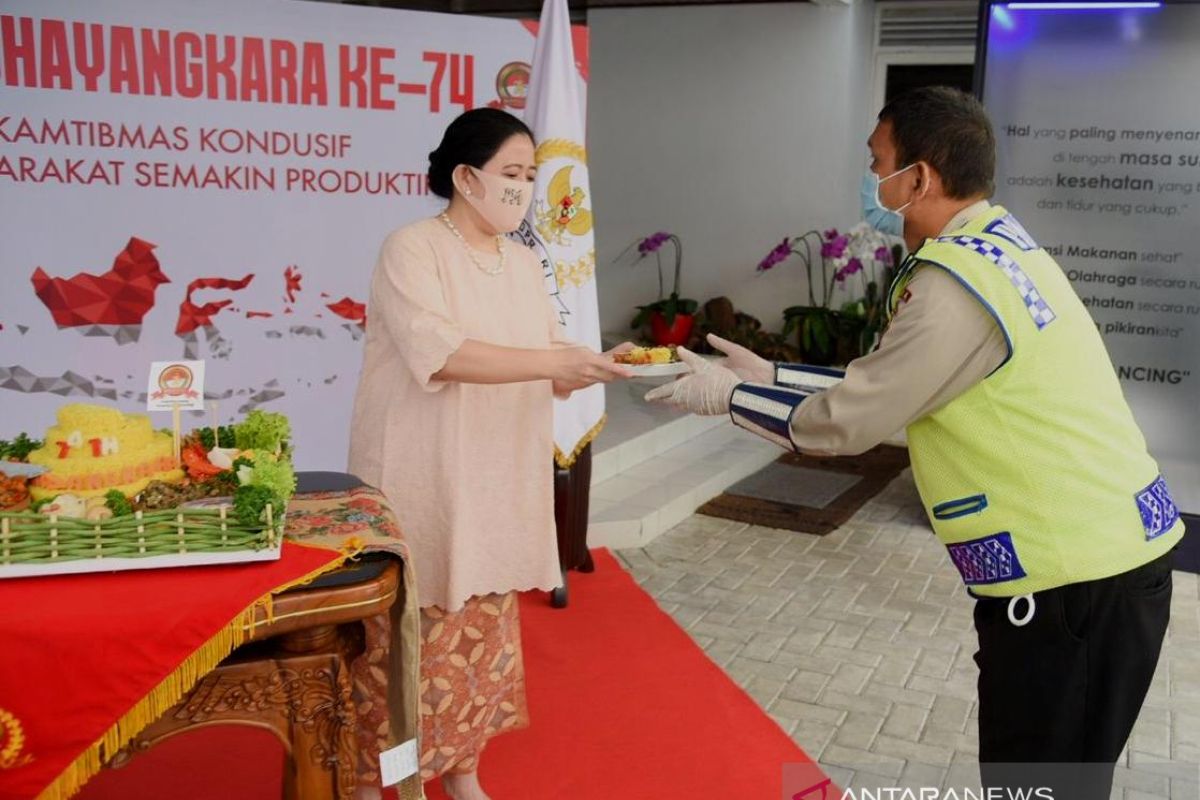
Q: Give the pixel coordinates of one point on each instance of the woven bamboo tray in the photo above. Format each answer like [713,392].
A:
[40,544]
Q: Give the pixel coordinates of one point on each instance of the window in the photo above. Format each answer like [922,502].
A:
[923,44]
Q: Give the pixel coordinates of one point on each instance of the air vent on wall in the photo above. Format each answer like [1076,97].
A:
[922,25]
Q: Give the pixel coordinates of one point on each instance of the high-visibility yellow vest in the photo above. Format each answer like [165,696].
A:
[1037,476]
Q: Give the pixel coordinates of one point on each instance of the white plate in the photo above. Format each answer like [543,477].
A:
[657,370]
[19,469]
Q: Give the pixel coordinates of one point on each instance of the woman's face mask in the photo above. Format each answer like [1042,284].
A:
[504,201]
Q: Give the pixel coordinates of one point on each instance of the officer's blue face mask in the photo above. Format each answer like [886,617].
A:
[878,216]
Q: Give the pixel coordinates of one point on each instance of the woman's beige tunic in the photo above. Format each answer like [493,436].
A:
[468,468]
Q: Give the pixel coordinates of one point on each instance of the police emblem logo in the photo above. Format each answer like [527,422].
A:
[512,84]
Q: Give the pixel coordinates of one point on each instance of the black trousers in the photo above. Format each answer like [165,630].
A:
[1058,696]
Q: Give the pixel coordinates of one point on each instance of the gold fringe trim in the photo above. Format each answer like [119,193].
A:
[568,461]
[172,688]
[349,549]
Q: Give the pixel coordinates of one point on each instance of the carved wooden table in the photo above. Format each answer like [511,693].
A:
[293,678]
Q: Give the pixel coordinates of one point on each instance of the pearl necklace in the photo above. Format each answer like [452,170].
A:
[496,270]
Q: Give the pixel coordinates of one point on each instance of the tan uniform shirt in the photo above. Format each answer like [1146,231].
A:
[940,343]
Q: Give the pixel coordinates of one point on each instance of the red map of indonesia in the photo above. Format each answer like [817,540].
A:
[192,316]
[112,302]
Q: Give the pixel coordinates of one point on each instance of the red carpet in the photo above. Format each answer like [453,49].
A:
[623,705]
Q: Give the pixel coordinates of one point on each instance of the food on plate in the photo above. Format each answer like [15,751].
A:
[95,449]
[97,463]
[66,505]
[643,356]
[19,448]
[14,492]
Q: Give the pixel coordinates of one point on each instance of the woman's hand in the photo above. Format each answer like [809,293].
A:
[623,347]
[570,368]
[575,368]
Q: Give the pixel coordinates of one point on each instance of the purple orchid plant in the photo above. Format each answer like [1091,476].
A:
[862,252]
[673,304]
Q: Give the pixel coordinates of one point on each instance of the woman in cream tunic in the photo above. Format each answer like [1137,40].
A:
[453,422]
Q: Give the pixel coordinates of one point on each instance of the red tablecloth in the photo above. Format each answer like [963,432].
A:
[87,661]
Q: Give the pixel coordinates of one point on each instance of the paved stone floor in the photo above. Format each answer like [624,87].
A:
[859,644]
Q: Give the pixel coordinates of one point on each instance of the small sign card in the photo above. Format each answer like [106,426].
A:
[176,385]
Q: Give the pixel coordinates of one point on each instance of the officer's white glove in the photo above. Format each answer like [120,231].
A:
[745,364]
[706,391]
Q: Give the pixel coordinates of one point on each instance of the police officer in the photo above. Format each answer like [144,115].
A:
[1028,461]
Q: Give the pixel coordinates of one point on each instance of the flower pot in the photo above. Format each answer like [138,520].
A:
[676,334]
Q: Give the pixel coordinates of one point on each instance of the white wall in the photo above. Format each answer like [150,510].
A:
[731,126]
